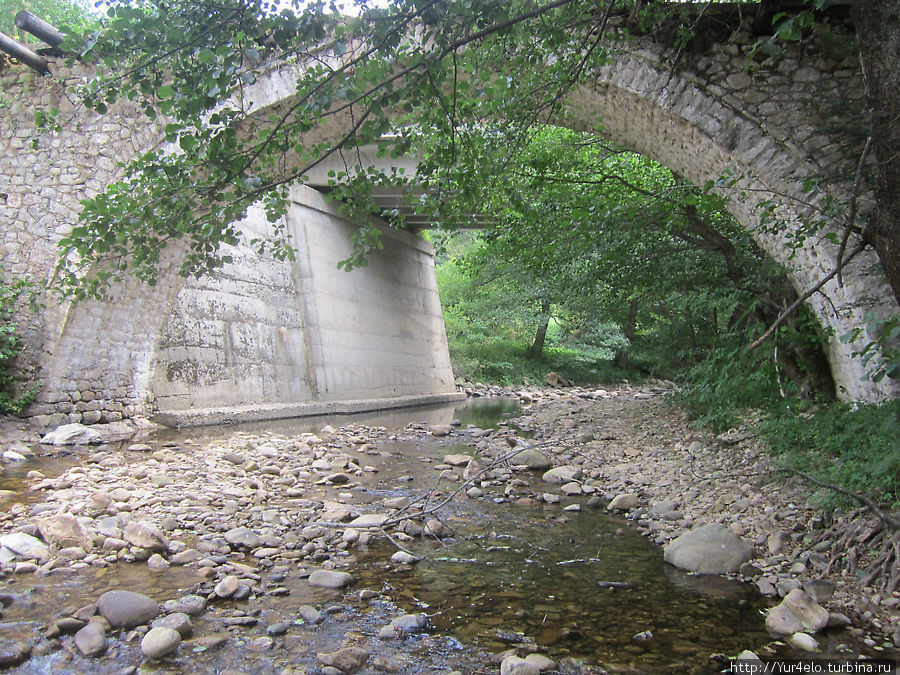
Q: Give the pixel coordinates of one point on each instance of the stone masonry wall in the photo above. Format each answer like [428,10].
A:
[771,127]
[43,176]
[258,332]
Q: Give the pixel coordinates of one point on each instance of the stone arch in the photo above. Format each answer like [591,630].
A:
[702,131]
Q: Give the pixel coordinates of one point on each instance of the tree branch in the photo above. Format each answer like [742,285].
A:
[803,298]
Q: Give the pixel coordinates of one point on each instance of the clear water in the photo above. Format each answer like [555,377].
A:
[512,569]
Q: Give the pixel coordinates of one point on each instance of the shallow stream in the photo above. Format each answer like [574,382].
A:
[582,585]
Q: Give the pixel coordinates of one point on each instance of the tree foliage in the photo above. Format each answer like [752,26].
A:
[12,293]
[628,258]
[396,70]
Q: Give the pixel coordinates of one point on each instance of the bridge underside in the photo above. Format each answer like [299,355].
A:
[264,339]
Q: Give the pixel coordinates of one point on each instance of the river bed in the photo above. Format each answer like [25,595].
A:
[583,587]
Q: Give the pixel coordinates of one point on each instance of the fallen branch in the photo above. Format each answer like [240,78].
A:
[851,219]
[887,519]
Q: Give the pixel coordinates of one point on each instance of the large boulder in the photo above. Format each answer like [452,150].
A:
[127,609]
[562,474]
[534,460]
[797,613]
[72,434]
[711,549]
[64,530]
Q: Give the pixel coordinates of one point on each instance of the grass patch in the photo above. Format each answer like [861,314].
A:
[504,362]
[857,449]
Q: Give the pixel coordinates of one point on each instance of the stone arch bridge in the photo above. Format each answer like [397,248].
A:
[264,338]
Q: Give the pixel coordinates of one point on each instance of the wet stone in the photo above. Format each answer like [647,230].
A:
[311,615]
[13,652]
[261,644]
[279,628]
[347,660]
[410,623]
[127,609]
[159,642]
[91,640]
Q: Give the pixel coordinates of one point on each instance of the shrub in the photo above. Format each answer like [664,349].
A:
[854,448]
[11,294]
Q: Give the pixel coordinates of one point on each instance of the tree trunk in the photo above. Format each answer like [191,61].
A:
[621,360]
[878,31]
[537,348]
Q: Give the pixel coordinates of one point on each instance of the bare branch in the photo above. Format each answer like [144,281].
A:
[803,298]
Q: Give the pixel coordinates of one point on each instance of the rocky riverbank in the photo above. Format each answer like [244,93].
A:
[639,455]
[235,523]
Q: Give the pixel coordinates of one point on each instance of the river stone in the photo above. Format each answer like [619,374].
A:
[243,536]
[513,665]
[63,529]
[404,557]
[330,579]
[177,621]
[747,655]
[25,546]
[347,660]
[804,641]
[311,615]
[624,502]
[91,640]
[72,434]
[457,460]
[368,520]
[127,609]
[192,605]
[227,587]
[13,652]
[146,535]
[820,590]
[534,460]
[797,613]
[410,623]
[562,474]
[396,502]
[571,489]
[186,557]
[711,549]
[160,641]
[542,662]
[440,429]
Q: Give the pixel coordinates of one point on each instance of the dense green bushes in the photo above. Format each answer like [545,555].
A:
[855,448]
[11,400]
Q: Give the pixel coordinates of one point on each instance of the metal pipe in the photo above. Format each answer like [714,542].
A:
[23,54]
[28,22]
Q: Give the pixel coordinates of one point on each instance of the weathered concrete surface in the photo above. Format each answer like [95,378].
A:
[264,334]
